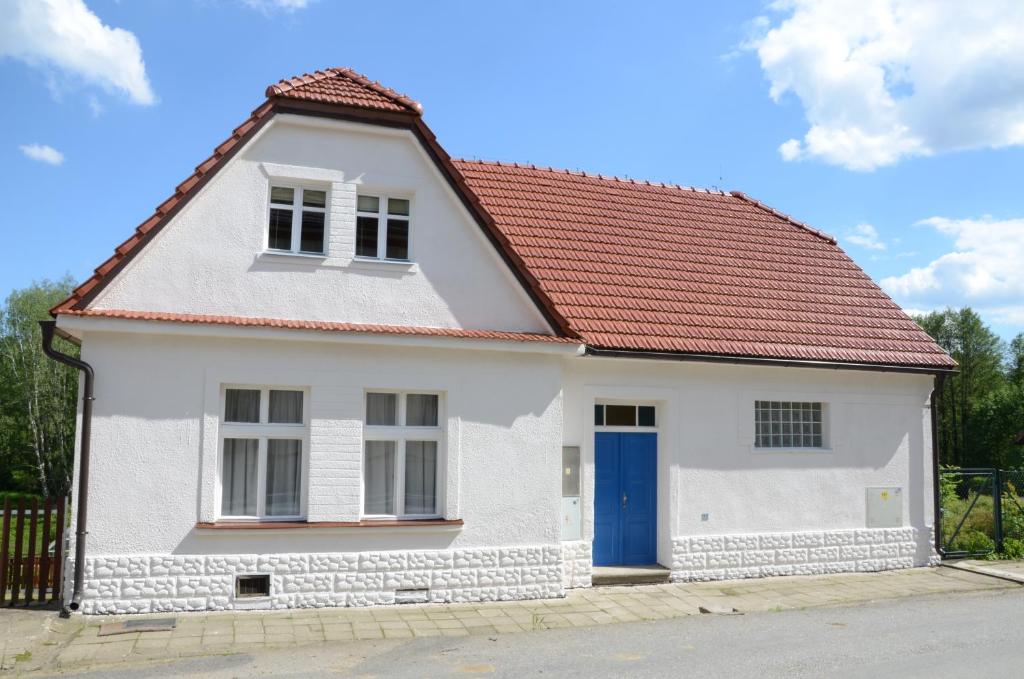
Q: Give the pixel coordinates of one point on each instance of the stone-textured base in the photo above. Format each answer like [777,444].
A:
[145,584]
[577,564]
[756,555]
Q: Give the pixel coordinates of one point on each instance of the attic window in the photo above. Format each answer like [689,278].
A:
[382,228]
[297,217]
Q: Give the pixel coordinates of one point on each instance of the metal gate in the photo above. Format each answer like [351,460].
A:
[982,512]
[32,551]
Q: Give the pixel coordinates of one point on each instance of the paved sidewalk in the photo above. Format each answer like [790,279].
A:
[64,644]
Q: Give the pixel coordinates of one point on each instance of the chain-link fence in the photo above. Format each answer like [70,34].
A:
[982,512]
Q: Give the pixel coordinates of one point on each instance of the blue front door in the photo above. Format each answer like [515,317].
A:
[625,506]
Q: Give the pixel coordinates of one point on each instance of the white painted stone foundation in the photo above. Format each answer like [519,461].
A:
[577,564]
[158,583]
[757,555]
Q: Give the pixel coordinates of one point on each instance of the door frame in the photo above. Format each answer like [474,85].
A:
[639,431]
[667,401]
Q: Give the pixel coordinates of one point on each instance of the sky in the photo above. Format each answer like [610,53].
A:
[896,126]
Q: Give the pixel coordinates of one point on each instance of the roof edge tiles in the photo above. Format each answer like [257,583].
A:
[326,326]
[781,215]
[291,87]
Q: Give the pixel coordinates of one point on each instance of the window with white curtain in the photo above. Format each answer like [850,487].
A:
[401,456]
[264,436]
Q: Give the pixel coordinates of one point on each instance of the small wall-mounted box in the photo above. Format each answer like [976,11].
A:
[885,507]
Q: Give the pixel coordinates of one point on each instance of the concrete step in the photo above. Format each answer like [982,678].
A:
[629,575]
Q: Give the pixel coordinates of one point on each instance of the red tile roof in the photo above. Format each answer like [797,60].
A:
[344,86]
[623,265]
[647,267]
[320,325]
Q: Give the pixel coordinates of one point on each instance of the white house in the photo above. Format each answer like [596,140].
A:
[337,367]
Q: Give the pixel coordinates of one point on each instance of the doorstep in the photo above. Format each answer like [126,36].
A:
[630,575]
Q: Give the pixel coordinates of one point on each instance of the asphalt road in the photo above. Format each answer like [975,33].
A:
[970,634]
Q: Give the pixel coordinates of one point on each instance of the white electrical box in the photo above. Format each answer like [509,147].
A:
[885,507]
[571,518]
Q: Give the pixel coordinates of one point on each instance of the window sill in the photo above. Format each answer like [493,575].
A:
[373,263]
[790,451]
[305,257]
[446,524]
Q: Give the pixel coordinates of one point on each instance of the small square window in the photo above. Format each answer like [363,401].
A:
[282,195]
[368,204]
[645,416]
[398,206]
[382,409]
[620,416]
[421,410]
[788,424]
[285,406]
[313,198]
[242,405]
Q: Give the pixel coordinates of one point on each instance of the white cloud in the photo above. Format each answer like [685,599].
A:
[65,36]
[43,153]
[266,6]
[882,80]
[983,271]
[866,236]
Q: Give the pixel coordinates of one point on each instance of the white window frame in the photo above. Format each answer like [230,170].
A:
[400,434]
[263,431]
[826,443]
[297,209]
[382,225]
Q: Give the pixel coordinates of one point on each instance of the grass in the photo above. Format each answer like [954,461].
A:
[977,534]
[12,534]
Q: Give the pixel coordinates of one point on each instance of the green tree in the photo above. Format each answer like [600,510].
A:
[979,353]
[37,396]
[1015,362]
[998,419]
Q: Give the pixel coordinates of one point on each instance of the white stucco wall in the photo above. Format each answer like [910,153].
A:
[209,259]
[878,435]
[155,441]
[507,414]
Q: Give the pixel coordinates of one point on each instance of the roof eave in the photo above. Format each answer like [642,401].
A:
[765,361]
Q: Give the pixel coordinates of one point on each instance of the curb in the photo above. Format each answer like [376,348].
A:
[981,570]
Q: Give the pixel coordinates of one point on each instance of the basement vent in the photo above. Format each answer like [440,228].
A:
[411,596]
[250,586]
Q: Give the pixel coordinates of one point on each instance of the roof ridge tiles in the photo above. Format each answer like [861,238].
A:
[591,175]
[284,86]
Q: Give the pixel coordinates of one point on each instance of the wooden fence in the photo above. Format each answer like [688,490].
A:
[32,551]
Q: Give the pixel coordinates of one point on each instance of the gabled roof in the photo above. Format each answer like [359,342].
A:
[642,267]
[624,265]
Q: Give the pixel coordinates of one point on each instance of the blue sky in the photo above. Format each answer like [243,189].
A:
[880,130]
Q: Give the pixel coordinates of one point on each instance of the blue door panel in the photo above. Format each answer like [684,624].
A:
[625,498]
[607,542]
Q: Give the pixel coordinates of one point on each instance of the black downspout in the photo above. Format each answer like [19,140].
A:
[48,328]
[936,405]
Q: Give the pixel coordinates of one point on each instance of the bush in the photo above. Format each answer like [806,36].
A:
[973,542]
[1013,549]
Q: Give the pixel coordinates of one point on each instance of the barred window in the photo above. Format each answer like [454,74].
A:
[788,424]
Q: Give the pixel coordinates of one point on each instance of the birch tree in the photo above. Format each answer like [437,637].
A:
[37,400]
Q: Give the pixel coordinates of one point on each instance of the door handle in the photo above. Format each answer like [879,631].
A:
[625,500]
